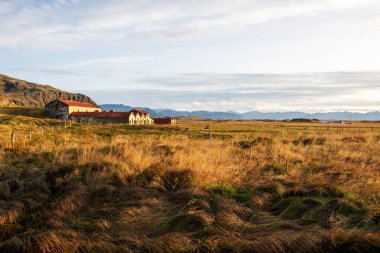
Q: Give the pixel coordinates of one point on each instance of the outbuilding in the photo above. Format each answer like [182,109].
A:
[165,121]
[61,109]
[133,117]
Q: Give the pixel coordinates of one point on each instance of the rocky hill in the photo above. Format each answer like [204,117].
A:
[16,92]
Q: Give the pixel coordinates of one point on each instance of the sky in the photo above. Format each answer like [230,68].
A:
[217,55]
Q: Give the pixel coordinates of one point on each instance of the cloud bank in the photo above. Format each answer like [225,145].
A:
[309,92]
[60,24]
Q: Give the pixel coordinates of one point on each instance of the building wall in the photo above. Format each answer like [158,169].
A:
[149,120]
[145,119]
[133,119]
[83,109]
[142,119]
[165,121]
[137,119]
[101,120]
[59,110]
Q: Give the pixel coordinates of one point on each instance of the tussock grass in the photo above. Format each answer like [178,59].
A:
[114,188]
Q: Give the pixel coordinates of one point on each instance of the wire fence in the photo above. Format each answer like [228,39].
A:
[16,137]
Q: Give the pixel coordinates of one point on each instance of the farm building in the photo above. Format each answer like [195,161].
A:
[61,109]
[86,112]
[134,117]
[332,122]
[165,121]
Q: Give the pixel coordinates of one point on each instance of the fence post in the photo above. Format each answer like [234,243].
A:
[13,136]
[210,135]
[30,135]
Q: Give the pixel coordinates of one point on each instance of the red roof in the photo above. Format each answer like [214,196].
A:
[101,114]
[139,111]
[78,104]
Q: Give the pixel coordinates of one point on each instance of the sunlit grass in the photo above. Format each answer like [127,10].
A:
[92,188]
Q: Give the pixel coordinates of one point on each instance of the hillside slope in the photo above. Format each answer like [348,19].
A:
[16,92]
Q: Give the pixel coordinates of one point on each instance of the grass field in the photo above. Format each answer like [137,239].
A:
[199,186]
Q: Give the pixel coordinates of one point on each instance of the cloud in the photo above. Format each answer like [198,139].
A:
[231,20]
[68,24]
[222,101]
[69,72]
[5,7]
[111,60]
[355,91]
[310,92]
[250,83]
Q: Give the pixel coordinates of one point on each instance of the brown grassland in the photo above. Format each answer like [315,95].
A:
[246,187]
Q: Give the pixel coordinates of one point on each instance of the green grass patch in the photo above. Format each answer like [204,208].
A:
[238,194]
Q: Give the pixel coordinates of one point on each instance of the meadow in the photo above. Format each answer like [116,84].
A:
[198,186]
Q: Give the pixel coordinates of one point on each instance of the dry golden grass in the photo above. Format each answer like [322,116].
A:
[252,187]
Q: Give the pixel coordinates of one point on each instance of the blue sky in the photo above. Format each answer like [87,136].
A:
[266,55]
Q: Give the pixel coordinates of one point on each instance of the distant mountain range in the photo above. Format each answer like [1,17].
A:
[248,115]
[16,92]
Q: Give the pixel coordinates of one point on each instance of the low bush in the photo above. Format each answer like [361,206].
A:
[276,168]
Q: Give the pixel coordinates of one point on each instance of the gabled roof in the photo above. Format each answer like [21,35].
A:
[139,111]
[78,104]
[101,114]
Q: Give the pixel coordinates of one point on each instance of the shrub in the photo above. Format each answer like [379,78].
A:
[263,140]
[275,168]
[308,141]
[245,144]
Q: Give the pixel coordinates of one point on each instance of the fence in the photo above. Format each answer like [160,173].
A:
[12,138]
